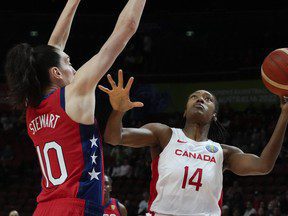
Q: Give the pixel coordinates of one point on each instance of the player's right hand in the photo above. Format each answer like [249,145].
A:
[119,96]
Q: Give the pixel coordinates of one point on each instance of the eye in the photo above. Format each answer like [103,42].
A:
[208,99]
[193,97]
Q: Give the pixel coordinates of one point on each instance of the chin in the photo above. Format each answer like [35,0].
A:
[197,117]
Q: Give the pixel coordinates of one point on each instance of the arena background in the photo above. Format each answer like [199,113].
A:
[180,46]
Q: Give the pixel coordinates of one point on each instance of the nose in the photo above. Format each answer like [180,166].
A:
[200,100]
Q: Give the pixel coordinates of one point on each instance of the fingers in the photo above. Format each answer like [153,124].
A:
[120,78]
[129,83]
[137,104]
[111,81]
[104,89]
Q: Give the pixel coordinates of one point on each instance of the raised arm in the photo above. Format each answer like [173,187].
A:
[62,28]
[92,71]
[149,135]
[250,164]
[80,94]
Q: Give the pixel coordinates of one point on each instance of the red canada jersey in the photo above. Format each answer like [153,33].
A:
[70,154]
[112,208]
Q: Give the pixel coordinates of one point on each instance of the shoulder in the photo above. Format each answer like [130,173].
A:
[156,126]
[79,107]
[161,131]
[158,129]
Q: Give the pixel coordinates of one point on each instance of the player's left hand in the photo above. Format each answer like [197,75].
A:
[119,96]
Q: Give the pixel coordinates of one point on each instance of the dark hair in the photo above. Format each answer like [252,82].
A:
[217,132]
[26,70]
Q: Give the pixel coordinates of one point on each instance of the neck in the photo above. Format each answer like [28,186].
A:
[196,131]
[50,88]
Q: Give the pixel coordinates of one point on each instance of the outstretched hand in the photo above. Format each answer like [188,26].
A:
[119,96]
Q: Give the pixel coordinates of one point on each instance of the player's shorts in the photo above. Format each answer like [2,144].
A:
[68,207]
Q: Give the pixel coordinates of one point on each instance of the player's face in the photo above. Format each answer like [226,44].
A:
[200,107]
[67,71]
[107,186]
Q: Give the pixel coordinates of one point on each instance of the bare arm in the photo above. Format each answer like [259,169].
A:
[250,164]
[115,134]
[148,135]
[80,94]
[91,72]
[61,31]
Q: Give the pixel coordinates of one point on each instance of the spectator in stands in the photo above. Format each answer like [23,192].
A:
[261,212]
[270,208]
[116,170]
[112,206]
[143,205]
[13,213]
[225,210]
[249,209]
[276,211]
[236,212]
[125,169]
[258,199]
[233,190]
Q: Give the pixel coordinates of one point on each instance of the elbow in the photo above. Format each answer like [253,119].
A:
[266,169]
[131,26]
[111,141]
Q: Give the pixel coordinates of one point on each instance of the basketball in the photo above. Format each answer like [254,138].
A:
[274,72]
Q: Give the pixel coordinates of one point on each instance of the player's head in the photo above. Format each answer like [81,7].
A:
[201,107]
[30,71]
[107,185]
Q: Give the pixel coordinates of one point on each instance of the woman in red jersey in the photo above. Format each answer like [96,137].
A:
[112,206]
[60,104]
[186,165]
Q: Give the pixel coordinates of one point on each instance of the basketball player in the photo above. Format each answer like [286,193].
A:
[112,206]
[187,166]
[59,104]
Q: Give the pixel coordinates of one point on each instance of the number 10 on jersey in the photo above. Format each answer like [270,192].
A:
[195,179]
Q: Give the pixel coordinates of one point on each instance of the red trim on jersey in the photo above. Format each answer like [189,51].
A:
[220,202]
[103,175]
[154,179]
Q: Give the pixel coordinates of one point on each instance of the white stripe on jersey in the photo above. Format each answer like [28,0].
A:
[189,177]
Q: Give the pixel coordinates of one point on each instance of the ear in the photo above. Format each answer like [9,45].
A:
[214,117]
[55,73]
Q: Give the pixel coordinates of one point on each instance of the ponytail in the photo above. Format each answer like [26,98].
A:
[27,73]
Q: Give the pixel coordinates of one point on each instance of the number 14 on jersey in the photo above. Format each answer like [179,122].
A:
[195,179]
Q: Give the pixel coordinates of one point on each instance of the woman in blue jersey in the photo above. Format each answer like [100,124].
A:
[187,166]
[59,104]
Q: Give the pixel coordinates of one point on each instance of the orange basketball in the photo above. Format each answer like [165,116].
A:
[274,72]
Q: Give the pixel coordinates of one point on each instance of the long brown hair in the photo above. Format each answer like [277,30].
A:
[27,73]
